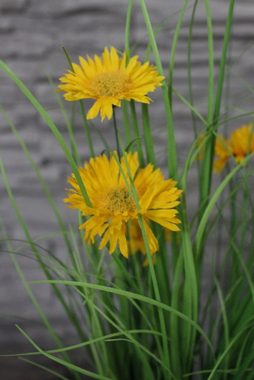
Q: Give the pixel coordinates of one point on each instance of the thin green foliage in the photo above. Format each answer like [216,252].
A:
[186,312]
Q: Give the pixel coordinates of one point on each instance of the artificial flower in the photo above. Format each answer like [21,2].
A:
[108,182]
[239,144]
[109,79]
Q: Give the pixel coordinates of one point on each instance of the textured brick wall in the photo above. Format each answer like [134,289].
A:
[31,35]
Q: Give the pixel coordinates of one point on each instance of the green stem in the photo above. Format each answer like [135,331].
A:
[136,132]
[116,133]
[200,234]
[173,48]
[126,123]
[205,175]
[171,145]
[151,268]
[128,28]
[36,253]
[87,130]
[190,37]
[148,138]
[157,296]
[207,167]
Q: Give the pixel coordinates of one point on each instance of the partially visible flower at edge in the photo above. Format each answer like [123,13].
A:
[113,207]
[109,79]
[239,144]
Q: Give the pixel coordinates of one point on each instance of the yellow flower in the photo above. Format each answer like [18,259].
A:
[239,144]
[109,79]
[113,208]
[222,153]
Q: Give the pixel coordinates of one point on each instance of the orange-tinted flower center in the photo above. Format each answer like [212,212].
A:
[109,84]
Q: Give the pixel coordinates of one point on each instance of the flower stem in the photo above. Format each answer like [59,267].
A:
[136,132]
[87,130]
[150,156]
[126,124]
[116,133]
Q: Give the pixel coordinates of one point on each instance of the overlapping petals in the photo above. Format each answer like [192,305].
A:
[109,79]
[113,214]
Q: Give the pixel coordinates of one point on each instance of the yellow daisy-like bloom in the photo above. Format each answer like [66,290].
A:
[113,208]
[239,144]
[109,79]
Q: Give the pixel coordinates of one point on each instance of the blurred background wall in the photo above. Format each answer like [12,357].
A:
[31,36]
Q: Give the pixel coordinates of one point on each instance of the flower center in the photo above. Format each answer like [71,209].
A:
[119,201]
[109,84]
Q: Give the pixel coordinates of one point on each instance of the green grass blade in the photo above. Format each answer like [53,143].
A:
[132,295]
[73,368]
[45,116]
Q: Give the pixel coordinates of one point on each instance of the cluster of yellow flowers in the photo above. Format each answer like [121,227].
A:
[238,145]
[119,189]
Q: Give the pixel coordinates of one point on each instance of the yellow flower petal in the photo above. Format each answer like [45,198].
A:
[94,110]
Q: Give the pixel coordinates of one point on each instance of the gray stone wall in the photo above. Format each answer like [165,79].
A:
[31,35]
